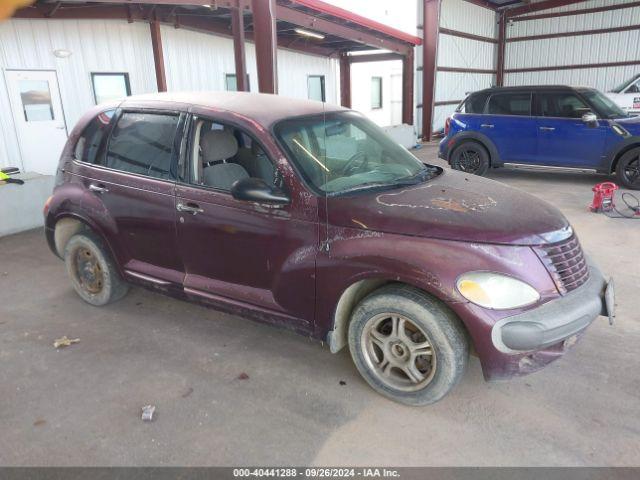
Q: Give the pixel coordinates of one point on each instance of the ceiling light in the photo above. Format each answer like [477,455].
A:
[308,33]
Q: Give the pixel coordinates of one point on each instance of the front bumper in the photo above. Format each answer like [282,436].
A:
[557,320]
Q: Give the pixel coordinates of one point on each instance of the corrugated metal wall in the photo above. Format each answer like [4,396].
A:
[465,53]
[572,50]
[199,61]
[96,46]
[193,61]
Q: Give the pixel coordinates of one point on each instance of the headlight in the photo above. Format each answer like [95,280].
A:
[492,290]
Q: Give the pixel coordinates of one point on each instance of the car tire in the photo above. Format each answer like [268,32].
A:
[93,273]
[628,169]
[470,157]
[392,355]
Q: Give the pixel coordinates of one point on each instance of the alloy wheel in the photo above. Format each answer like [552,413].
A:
[469,161]
[632,172]
[398,352]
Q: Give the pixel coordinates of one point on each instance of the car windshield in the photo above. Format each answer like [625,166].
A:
[604,105]
[342,152]
[624,84]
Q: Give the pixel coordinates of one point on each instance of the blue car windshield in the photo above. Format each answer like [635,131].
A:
[605,106]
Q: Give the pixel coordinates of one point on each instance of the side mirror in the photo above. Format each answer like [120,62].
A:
[590,119]
[257,190]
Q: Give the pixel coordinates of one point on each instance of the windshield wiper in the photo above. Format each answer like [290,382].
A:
[420,176]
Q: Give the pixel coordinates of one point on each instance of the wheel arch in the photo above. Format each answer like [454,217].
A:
[484,141]
[352,295]
[626,147]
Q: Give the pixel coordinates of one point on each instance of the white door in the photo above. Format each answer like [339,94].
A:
[396,99]
[37,113]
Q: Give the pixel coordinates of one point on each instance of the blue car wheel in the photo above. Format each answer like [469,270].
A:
[470,157]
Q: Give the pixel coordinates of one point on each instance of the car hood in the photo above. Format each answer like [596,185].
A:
[454,206]
[630,124]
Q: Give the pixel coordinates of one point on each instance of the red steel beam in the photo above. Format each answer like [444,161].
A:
[470,36]
[374,57]
[502,49]
[429,58]
[407,88]
[345,81]
[578,66]
[335,11]
[536,7]
[321,25]
[576,33]
[158,56]
[466,70]
[264,28]
[581,11]
[237,28]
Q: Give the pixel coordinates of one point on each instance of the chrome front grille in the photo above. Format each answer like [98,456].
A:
[566,263]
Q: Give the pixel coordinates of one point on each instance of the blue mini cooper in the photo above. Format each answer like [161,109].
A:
[545,126]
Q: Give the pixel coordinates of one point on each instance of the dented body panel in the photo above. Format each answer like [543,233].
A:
[306,264]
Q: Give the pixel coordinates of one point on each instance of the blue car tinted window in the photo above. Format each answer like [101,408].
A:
[510,104]
[560,105]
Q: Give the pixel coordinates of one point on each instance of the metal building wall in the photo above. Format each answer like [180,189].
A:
[199,61]
[572,50]
[463,54]
[96,46]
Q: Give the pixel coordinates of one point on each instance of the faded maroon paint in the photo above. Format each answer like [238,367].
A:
[290,265]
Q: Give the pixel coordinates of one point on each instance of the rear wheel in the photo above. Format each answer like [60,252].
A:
[92,272]
[407,345]
[628,169]
[470,157]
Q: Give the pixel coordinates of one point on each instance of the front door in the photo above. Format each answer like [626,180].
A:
[256,257]
[564,140]
[38,118]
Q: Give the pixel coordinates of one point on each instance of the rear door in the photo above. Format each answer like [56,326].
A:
[130,185]
[257,257]
[508,123]
[564,140]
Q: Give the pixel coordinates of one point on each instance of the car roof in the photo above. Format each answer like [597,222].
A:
[532,87]
[265,109]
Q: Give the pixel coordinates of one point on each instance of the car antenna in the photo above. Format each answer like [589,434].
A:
[326,176]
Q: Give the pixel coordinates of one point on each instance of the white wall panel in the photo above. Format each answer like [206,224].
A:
[440,114]
[456,86]
[460,52]
[199,61]
[96,46]
[467,17]
[571,50]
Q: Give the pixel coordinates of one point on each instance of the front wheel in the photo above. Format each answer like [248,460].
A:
[628,169]
[407,345]
[470,157]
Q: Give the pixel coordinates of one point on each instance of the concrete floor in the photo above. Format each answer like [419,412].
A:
[81,405]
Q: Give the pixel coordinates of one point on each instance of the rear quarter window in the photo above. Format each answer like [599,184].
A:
[91,141]
[474,103]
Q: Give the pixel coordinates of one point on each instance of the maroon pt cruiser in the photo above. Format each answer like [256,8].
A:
[307,216]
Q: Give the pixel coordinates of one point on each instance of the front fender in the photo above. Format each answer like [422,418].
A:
[616,150]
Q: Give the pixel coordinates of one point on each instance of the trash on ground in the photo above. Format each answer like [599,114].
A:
[39,422]
[187,393]
[147,413]
[64,342]
[243,376]
[342,382]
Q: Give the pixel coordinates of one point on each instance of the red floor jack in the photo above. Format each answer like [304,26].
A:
[603,201]
[603,197]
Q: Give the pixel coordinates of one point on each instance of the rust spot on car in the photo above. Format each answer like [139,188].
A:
[450,204]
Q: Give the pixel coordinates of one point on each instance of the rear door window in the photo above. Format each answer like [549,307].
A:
[510,104]
[143,143]
[90,145]
[560,105]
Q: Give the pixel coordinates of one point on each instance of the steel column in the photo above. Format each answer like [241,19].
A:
[237,27]
[502,48]
[264,27]
[407,88]
[158,56]
[431,23]
[345,81]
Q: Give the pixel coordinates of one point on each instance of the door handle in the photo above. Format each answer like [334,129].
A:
[547,129]
[191,208]
[486,125]
[98,188]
